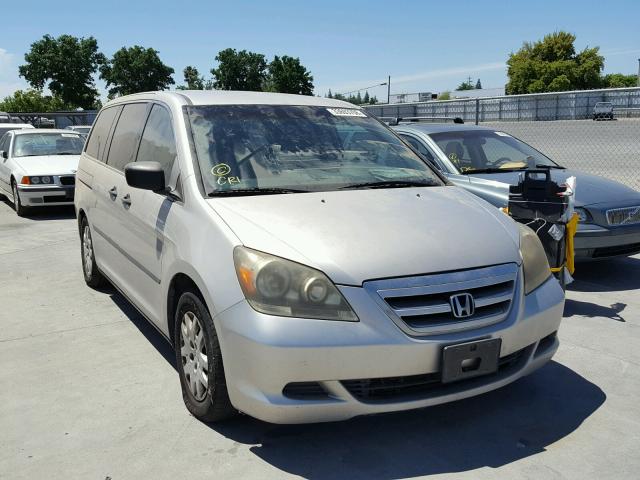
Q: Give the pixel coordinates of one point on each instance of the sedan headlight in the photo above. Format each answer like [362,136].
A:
[534,259]
[583,215]
[276,286]
[37,180]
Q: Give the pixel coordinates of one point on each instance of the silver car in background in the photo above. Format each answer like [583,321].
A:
[304,263]
[485,162]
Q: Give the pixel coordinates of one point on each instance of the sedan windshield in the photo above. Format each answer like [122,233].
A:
[488,151]
[34,144]
[253,149]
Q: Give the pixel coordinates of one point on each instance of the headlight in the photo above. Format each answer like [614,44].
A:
[276,286]
[37,180]
[534,259]
[583,215]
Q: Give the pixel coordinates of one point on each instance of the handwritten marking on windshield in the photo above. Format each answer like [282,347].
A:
[221,170]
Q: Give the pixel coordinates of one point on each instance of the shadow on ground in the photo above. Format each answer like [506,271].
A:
[593,310]
[491,430]
[46,213]
[618,274]
[154,337]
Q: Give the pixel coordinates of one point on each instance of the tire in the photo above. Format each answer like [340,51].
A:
[198,358]
[92,275]
[21,211]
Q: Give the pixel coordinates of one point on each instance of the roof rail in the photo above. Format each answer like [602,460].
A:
[391,121]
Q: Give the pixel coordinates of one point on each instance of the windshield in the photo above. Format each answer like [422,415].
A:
[32,144]
[486,150]
[301,148]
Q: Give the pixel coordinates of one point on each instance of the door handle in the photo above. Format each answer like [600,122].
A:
[113,193]
[126,201]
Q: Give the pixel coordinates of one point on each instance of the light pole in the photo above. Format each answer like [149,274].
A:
[388,89]
[639,72]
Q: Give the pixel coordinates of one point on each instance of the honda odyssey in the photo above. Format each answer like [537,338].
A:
[305,263]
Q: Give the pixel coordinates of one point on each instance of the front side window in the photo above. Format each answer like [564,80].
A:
[488,151]
[258,147]
[36,144]
[158,142]
[126,135]
[4,142]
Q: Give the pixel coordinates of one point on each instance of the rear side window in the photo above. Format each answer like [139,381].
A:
[97,141]
[127,135]
[158,142]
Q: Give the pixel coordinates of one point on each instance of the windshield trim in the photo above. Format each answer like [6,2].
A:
[206,191]
[456,171]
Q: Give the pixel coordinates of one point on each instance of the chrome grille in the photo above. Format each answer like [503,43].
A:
[623,216]
[421,305]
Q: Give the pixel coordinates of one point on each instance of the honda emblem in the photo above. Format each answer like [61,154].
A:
[462,305]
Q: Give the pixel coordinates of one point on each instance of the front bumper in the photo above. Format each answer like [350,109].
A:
[38,196]
[594,242]
[263,354]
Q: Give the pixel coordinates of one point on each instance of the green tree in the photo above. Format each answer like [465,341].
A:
[466,85]
[446,95]
[66,66]
[288,75]
[366,98]
[32,101]
[552,65]
[478,85]
[239,70]
[619,80]
[192,79]
[136,69]
[329,95]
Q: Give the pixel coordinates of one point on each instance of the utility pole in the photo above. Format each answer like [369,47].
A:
[639,72]
[389,88]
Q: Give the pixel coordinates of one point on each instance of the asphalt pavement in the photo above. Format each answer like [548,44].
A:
[88,390]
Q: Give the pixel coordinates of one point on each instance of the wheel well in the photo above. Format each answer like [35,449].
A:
[180,283]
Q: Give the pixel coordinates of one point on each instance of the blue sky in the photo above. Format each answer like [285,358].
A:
[348,44]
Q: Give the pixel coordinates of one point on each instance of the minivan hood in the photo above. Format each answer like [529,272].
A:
[48,164]
[590,189]
[358,235]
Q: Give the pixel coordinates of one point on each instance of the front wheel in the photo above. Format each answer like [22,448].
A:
[21,210]
[199,361]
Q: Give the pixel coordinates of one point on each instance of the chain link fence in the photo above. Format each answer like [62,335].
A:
[595,131]
[50,119]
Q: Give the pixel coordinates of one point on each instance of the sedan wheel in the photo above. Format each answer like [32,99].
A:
[17,205]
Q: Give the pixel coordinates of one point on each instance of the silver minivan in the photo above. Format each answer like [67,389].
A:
[305,263]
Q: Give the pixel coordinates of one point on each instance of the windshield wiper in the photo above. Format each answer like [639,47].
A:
[551,166]
[492,170]
[255,191]
[391,184]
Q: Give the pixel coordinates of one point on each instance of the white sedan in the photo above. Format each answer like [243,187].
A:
[38,167]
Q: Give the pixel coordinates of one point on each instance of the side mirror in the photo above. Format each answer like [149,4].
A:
[4,154]
[145,175]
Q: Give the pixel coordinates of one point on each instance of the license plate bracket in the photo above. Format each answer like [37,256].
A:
[469,360]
